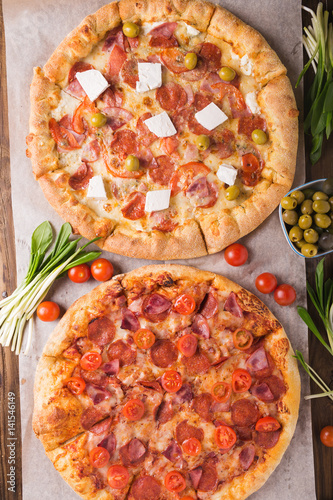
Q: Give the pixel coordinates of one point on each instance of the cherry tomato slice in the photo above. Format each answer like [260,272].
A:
[267,424]
[99,457]
[174,481]
[144,338]
[91,360]
[102,269]
[171,381]
[76,385]
[285,295]
[236,254]
[48,311]
[134,410]
[326,436]
[79,274]
[221,391]
[118,477]
[184,304]
[225,436]
[241,380]
[192,446]
[242,339]
[187,345]
[266,282]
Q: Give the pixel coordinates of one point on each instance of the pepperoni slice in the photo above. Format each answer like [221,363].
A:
[174,59]
[163,173]
[183,177]
[212,54]
[116,60]
[247,124]
[156,307]
[164,412]
[244,413]
[201,405]
[145,136]
[198,364]
[208,480]
[124,143]
[96,377]
[101,331]
[134,208]
[235,97]
[180,120]
[197,73]
[130,73]
[209,306]
[122,351]
[164,29]
[78,67]
[91,416]
[251,169]
[171,96]
[267,439]
[186,431]
[80,179]
[101,427]
[146,488]
[163,353]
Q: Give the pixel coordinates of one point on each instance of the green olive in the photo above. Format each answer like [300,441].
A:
[328,186]
[202,142]
[326,241]
[288,203]
[259,136]
[191,60]
[308,193]
[319,195]
[300,243]
[132,163]
[131,30]
[309,250]
[311,235]
[305,221]
[321,206]
[322,220]
[232,193]
[290,217]
[98,120]
[299,196]
[295,234]
[306,207]
[227,74]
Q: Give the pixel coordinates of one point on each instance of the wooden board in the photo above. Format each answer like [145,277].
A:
[322,409]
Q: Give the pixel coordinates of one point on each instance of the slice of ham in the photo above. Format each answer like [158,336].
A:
[209,80]
[102,427]
[75,89]
[113,36]
[200,326]
[117,117]
[133,452]
[209,306]
[257,361]
[220,407]
[231,305]
[173,452]
[184,395]
[203,193]
[111,367]
[165,29]
[109,443]
[246,456]
[162,35]
[157,304]
[195,476]
[97,394]
[146,159]
[91,151]
[112,98]
[169,145]
[190,153]
[262,392]
[129,321]
[190,95]
[116,60]
[80,179]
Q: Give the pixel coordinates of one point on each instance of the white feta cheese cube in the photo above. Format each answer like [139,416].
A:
[246,65]
[251,102]
[92,82]
[157,200]
[96,189]
[161,125]
[211,116]
[191,31]
[227,173]
[150,76]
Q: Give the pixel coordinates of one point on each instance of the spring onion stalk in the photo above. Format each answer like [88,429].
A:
[18,309]
[318,43]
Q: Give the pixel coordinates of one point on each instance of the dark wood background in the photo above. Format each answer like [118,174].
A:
[322,409]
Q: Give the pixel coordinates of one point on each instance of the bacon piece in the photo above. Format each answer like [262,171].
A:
[97,394]
[96,377]
[246,456]
[91,151]
[164,412]
[91,416]
[267,439]
[134,208]
[209,306]
[201,405]
[247,124]
[244,413]
[156,307]
[231,305]
[212,54]
[80,179]
[116,60]
[163,353]
[83,344]
[124,143]
[184,395]
[195,476]
[171,96]
[200,326]
[111,367]
[129,320]
[101,331]
[198,364]
[186,431]
[102,427]
[164,171]
[145,484]
[173,452]
[122,351]
[109,443]
[276,386]
[145,136]
[262,392]
[117,117]
[133,452]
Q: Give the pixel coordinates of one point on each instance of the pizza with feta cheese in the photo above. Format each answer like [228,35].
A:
[166,383]
[168,128]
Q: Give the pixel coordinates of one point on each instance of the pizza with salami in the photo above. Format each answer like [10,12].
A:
[167,382]
[168,128]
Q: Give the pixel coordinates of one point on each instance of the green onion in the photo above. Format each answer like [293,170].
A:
[18,309]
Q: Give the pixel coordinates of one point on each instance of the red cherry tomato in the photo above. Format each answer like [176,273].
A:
[144,338]
[184,304]
[171,381]
[79,274]
[101,269]
[174,481]
[285,295]
[91,360]
[242,339]
[241,380]
[225,436]
[236,254]
[99,457]
[326,436]
[134,410]
[76,385]
[187,345]
[48,311]
[267,424]
[266,282]
[221,391]
[118,477]
[192,446]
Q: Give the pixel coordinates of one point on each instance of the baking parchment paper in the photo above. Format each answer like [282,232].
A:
[33,30]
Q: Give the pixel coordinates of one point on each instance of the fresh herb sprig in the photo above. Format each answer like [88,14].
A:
[318,43]
[322,299]
[18,309]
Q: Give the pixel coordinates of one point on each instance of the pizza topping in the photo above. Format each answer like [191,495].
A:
[183,177]
[231,305]
[118,477]
[185,431]
[257,361]
[164,171]
[134,410]
[195,476]
[144,338]
[116,60]
[209,306]
[241,380]
[242,339]
[212,54]
[184,304]
[146,488]
[129,320]
[204,194]
[161,125]
[251,169]
[145,137]
[247,124]
[117,117]
[267,424]
[244,413]
[91,360]
[208,478]
[173,452]
[163,353]
[197,73]
[174,59]
[235,97]
[192,447]
[93,83]
[200,326]
[164,412]
[184,395]
[115,35]
[187,345]
[109,443]
[76,385]
[267,439]
[162,35]
[150,76]
[101,331]
[99,457]
[78,67]
[171,381]
[246,456]
[227,74]
[111,367]
[97,394]
[102,427]
[91,151]
[81,178]
[122,351]
[131,30]
[225,437]
[171,96]
[174,481]
[262,392]
[91,416]
[156,307]
[64,139]
[96,189]
[134,207]
[227,173]
[97,377]
[201,405]
[191,60]
[133,453]
[221,392]
[276,386]
[124,143]
[130,73]
[198,364]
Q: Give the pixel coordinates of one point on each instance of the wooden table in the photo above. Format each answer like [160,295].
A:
[322,409]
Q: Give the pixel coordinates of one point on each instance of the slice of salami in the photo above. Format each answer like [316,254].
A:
[174,59]
[101,331]
[78,67]
[171,96]
[156,307]
[111,37]
[186,431]
[198,364]
[163,42]
[109,443]
[223,143]
[112,98]
[130,72]
[231,305]
[111,367]
[276,386]
[81,178]
[212,54]
[133,452]
[246,456]
[146,488]
[184,395]
[129,320]
[102,427]
[201,405]
[164,29]
[201,101]
[117,117]
[197,73]
[267,439]
[96,377]
[200,326]
[247,124]
[164,412]
[209,306]
[134,207]
[173,452]
[145,136]
[163,353]
[124,143]
[116,60]
[195,127]
[91,151]
[244,413]
[208,480]
[163,173]
[122,351]
[91,416]
[195,476]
